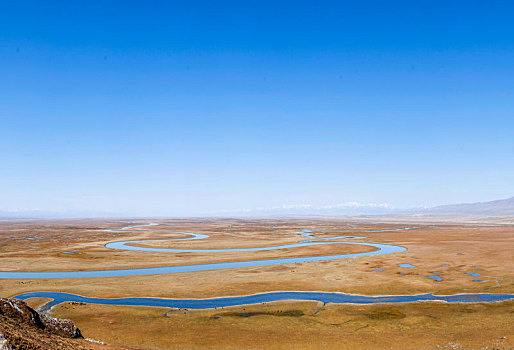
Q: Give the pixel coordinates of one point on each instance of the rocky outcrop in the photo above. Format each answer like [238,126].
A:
[23,328]
[20,312]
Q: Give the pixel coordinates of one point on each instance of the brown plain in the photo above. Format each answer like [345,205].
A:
[291,325]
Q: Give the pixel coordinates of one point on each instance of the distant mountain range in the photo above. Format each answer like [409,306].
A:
[501,207]
[40,214]
[341,209]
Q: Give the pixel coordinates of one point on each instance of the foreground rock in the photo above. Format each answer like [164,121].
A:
[23,328]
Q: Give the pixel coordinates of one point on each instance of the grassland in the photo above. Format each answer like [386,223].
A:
[301,325]
[484,249]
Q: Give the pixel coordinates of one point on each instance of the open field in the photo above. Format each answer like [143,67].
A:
[443,249]
[301,325]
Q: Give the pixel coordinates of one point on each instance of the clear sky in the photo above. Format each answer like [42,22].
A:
[192,107]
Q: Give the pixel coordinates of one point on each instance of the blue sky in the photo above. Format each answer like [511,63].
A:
[167,108]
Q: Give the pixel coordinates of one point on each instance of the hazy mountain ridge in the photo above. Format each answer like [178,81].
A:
[41,214]
[500,207]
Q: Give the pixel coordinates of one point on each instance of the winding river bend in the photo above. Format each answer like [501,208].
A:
[338,298]
[124,245]
[324,297]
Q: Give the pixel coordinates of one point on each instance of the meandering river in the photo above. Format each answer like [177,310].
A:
[323,297]
[124,245]
[238,300]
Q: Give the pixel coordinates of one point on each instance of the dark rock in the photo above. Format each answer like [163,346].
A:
[20,312]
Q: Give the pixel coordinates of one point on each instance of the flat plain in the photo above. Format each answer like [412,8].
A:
[467,257]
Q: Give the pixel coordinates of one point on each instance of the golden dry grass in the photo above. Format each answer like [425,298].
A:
[301,325]
[465,248]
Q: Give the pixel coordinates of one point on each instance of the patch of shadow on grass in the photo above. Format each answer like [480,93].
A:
[467,310]
[288,313]
[385,314]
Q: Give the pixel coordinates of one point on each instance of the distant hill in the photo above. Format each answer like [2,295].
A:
[501,207]
[341,209]
[40,214]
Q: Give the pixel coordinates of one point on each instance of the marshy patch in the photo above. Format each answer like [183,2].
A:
[385,314]
[279,313]
[467,310]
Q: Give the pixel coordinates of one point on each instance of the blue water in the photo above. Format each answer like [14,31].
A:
[244,300]
[309,234]
[381,249]
[407,266]
[123,246]
[436,278]
[129,227]
[338,298]
[474,274]
[379,270]
[478,281]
